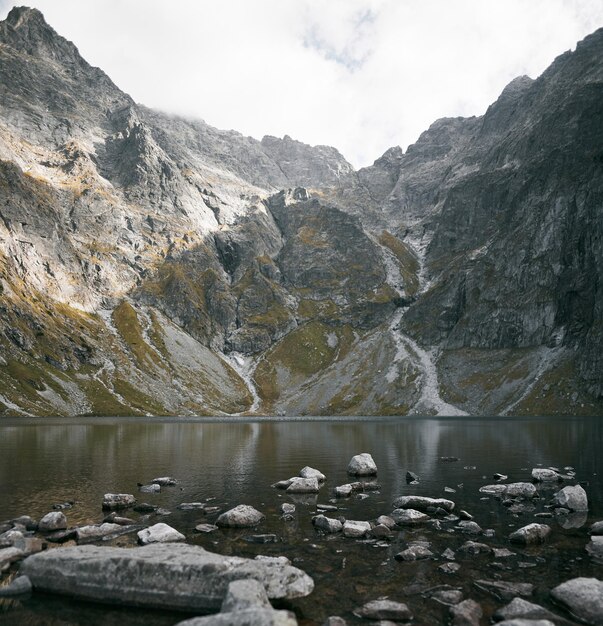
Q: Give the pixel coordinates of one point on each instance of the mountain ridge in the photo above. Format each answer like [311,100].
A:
[151,264]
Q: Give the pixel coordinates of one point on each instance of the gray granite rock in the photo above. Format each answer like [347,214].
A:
[159,533]
[115,501]
[52,521]
[531,534]
[583,598]
[148,576]
[19,586]
[362,465]
[466,613]
[384,610]
[423,504]
[573,498]
[242,516]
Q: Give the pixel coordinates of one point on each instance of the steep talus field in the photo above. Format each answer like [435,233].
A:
[152,264]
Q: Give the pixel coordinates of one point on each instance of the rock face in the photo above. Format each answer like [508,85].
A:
[159,249]
[149,575]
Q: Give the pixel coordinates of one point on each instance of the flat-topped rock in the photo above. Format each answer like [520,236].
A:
[408,517]
[114,501]
[303,485]
[510,490]
[242,516]
[353,528]
[543,475]
[421,503]
[164,481]
[362,465]
[384,610]
[95,532]
[519,608]
[175,576]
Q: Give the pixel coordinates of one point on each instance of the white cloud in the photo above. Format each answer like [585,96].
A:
[361,75]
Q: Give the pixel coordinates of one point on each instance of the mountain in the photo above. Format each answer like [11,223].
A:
[152,264]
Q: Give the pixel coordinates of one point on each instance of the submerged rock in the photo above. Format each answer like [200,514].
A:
[152,488]
[531,534]
[206,528]
[362,465]
[242,516]
[583,598]
[159,533]
[52,521]
[149,576]
[384,610]
[505,590]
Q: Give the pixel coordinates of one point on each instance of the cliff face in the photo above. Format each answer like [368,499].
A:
[154,264]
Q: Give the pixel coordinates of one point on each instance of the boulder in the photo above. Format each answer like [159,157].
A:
[362,465]
[242,516]
[304,485]
[384,610]
[327,524]
[343,491]
[530,534]
[17,587]
[583,598]
[595,548]
[245,604]
[469,527]
[114,501]
[573,498]
[545,475]
[466,613]
[97,532]
[386,520]
[8,556]
[164,481]
[511,490]
[206,528]
[421,503]
[310,472]
[408,517]
[526,622]
[519,608]
[287,508]
[597,528]
[474,547]
[356,529]
[414,552]
[159,533]
[152,488]
[52,521]
[175,576]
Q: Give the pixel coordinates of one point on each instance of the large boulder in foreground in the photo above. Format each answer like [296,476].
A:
[583,598]
[171,576]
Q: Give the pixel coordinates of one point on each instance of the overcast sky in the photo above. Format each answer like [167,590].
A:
[361,75]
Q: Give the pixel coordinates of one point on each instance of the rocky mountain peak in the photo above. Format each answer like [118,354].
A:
[27,30]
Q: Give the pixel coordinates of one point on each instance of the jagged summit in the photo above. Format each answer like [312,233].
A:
[153,264]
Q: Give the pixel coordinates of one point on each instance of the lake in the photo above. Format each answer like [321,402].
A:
[230,461]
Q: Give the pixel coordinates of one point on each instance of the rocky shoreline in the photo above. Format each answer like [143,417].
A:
[168,573]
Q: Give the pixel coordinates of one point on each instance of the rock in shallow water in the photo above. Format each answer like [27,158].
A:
[583,598]
[327,524]
[505,590]
[519,608]
[531,534]
[52,521]
[114,501]
[540,474]
[310,472]
[303,485]
[384,609]
[573,498]
[423,504]
[466,613]
[353,528]
[362,465]
[159,533]
[174,576]
[408,517]
[242,516]
[17,587]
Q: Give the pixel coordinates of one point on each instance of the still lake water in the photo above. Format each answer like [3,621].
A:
[48,461]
